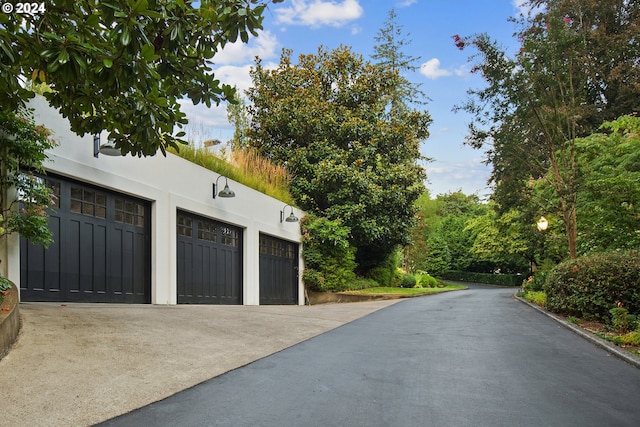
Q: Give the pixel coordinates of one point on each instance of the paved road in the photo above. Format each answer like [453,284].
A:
[470,358]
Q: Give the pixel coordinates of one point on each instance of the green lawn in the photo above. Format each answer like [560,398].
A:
[405,291]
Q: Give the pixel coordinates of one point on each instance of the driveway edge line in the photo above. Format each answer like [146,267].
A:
[604,344]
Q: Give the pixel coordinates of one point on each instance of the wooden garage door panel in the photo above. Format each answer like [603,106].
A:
[97,254]
[209,261]
[278,271]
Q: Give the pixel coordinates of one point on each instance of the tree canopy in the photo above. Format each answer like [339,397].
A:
[562,85]
[123,65]
[326,118]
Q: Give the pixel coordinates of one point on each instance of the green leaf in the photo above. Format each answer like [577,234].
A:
[63,57]
[148,52]
[125,38]
[92,20]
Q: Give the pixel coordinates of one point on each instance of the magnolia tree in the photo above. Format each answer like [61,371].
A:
[326,119]
[123,66]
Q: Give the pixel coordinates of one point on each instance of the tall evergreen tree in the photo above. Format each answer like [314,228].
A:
[389,53]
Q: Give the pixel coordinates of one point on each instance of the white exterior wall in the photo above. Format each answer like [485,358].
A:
[170,183]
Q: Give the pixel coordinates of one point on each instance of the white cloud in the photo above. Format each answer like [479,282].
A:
[469,176]
[406,3]
[201,115]
[235,76]
[463,71]
[431,69]
[319,13]
[264,46]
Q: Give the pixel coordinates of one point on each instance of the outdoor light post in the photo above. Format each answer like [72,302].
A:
[542,225]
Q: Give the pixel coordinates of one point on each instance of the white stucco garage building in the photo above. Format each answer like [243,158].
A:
[148,230]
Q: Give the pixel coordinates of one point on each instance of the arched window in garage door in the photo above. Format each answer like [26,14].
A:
[209,261]
[278,271]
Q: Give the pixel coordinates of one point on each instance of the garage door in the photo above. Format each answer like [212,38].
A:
[278,271]
[100,251]
[209,261]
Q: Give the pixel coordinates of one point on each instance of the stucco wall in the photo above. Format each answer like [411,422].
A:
[170,183]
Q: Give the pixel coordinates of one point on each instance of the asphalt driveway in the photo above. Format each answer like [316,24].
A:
[469,358]
[79,364]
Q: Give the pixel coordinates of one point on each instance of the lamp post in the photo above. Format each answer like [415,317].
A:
[542,225]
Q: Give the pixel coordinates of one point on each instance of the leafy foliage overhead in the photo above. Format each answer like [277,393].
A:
[123,65]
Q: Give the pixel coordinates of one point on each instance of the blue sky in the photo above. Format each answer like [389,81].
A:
[303,25]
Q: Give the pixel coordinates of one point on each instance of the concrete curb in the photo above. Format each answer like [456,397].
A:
[596,340]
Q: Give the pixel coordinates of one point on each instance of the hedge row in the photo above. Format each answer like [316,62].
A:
[491,279]
[590,286]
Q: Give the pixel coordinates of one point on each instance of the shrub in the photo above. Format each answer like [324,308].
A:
[387,274]
[381,275]
[329,258]
[5,284]
[361,283]
[536,297]
[426,281]
[535,283]
[631,338]
[488,278]
[590,286]
[408,281]
[622,320]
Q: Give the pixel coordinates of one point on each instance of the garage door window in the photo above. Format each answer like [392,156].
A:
[55,192]
[129,212]
[229,237]
[290,252]
[207,231]
[276,248]
[88,202]
[185,226]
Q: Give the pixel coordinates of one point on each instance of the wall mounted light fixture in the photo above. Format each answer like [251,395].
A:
[290,218]
[108,149]
[226,191]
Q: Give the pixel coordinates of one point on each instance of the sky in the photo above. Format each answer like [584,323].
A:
[443,75]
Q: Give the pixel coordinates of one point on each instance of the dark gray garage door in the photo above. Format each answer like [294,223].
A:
[278,271]
[209,261]
[100,253]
